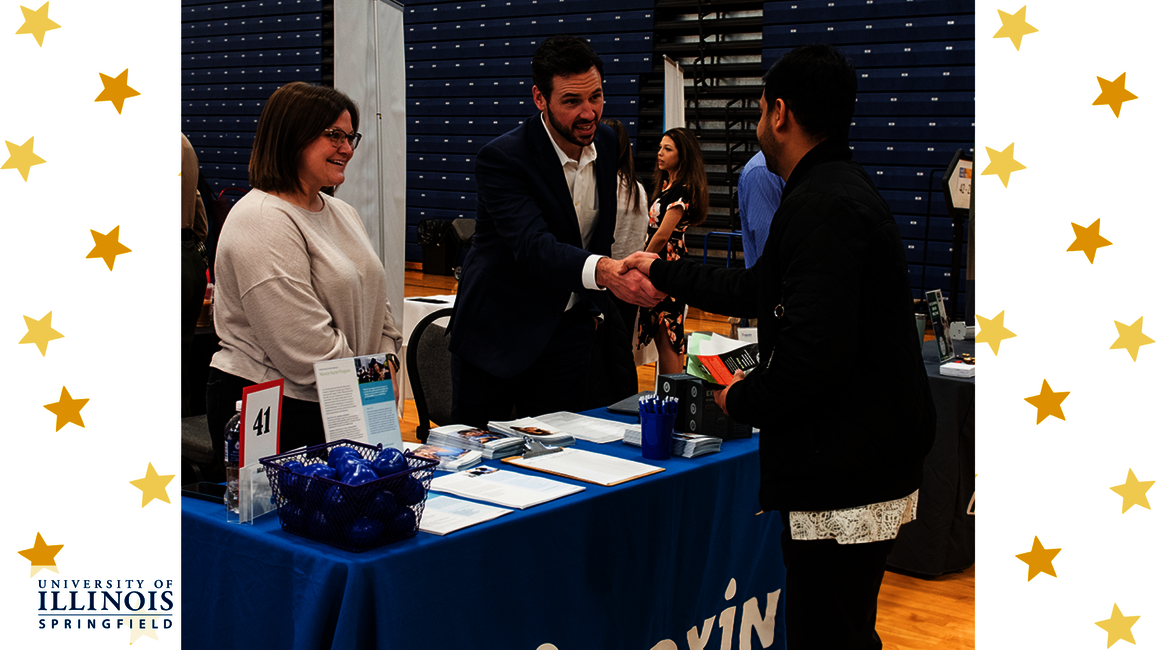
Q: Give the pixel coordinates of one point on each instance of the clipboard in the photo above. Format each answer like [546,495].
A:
[556,464]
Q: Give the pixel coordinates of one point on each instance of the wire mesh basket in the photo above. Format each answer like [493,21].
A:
[385,505]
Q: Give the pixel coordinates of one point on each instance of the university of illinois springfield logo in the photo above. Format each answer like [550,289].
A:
[141,606]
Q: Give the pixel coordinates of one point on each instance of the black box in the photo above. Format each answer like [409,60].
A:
[689,391]
[716,423]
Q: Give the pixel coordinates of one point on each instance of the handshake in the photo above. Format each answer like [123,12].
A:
[628,279]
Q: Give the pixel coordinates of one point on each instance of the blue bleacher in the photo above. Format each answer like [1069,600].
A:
[824,11]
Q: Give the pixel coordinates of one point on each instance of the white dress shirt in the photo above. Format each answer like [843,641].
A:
[584,193]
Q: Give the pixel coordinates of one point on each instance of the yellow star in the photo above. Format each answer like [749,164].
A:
[1119,627]
[1088,240]
[1015,26]
[116,90]
[107,246]
[36,23]
[152,486]
[20,157]
[40,332]
[1039,560]
[42,556]
[1048,403]
[67,409]
[1113,93]
[1131,338]
[138,628]
[1002,163]
[992,331]
[1134,492]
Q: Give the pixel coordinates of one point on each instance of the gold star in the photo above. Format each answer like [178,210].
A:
[1113,93]
[20,157]
[138,628]
[107,246]
[1088,240]
[1131,338]
[1134,492]
[1002,163]
[1047,403]
[992,331]
[116,90]
[152,486]
[42,556]
[1119,627]
[1039,560]
[1015,26]
[36,23]
[67,409]
[40,332]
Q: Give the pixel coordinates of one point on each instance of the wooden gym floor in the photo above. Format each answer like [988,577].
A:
[914,614]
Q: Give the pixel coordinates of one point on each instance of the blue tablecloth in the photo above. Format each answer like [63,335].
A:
[643,565]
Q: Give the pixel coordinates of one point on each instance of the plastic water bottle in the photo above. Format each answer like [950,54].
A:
[232,453]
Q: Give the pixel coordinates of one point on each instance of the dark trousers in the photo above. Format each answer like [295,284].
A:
[300,419]
[556,381]
[193,283]
[832,592]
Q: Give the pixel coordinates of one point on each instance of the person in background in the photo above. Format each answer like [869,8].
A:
[681,200]
[297,278]
[841,453]
[759,191]
[194,228]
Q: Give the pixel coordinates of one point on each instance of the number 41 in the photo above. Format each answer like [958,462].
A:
[260,428]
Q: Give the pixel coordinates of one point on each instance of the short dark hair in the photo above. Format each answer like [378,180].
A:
[294,115]
[561,56]
[818,84]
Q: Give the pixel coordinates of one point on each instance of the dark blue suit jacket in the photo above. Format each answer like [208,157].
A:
[527,254]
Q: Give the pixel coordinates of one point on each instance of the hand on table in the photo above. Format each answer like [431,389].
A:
[721,398]
[627,282]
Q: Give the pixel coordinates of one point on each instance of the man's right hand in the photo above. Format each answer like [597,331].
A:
[627,282]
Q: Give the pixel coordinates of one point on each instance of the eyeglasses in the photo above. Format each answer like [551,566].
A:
[338,137]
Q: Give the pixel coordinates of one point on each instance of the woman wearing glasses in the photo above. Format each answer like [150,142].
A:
[297,278]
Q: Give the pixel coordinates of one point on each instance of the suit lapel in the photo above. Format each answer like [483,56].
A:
[547,160]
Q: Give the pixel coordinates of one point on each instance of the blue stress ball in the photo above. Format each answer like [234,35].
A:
[404,523]
[390,462]
[359,474]
[290,483]
[346,465]
[365,531]
[410,492]
[321,525]
[380,505]
[336,505]
[338,453]
[314,490]
[293,517]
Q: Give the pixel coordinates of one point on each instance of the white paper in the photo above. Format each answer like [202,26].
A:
[584,427]
[444,515]
[589,466]
[356,406]
[509,489]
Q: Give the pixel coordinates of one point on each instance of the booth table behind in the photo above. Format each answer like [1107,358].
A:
[942,538]
[623,567]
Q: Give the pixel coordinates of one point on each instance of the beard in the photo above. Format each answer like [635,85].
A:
[567,132]
[772,151]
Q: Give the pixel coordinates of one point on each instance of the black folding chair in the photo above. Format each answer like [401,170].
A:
[428,364]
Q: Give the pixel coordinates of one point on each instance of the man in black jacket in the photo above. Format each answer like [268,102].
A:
[840,395]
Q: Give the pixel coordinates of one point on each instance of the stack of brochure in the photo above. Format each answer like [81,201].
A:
[538,430]
[492,444]
[686,445]
[584,427]
[451,459]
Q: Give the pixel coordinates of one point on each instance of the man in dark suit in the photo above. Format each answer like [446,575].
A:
[840,395]
[533,284]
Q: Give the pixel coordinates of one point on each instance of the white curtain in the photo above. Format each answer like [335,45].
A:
[674,106]
[373,74]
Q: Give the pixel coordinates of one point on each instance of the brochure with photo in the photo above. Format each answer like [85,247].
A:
[492,444]
[358,400]
[536,429]
[450,459]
